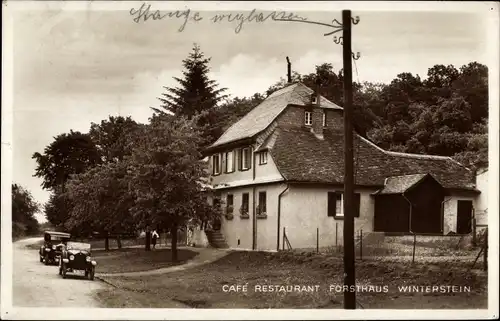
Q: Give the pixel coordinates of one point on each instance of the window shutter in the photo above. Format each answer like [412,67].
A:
[250,158]
[240,159]
[357,202]
[332,202]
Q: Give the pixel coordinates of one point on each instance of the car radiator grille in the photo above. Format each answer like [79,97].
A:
[80,259]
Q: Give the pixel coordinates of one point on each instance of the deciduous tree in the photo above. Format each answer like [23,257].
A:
[102,201]
[24,208]
[112,137]
[68,154]
[57,209]
[168,176]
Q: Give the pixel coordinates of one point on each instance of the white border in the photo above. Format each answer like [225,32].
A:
[493,157]
[490,11]
[7,120]
[470,6]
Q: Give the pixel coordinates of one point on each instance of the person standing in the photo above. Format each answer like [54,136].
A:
[148,239]
[154,237]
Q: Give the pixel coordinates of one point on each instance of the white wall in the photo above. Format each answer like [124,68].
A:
[241,229]
[481,202]
[450,212]
[238,228]
[264,172]
[304,210]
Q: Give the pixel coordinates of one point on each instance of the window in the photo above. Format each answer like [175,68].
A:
[308,118]
[230,162]
[339,204]
[216,163]
[324,119]
[245,159]
[263,158]
[262,207]
[314,98]
[229,204]
[336,205]
[244,204]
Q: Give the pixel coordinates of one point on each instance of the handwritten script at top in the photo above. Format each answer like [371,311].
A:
[145,13]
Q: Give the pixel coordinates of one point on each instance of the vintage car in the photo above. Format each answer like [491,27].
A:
[76,256]
[51,249]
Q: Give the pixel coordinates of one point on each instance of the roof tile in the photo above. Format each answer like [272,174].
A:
[302,157]
[263,114]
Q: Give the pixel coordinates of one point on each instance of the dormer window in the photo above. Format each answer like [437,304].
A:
[314,99]
[308,118]
[263,158]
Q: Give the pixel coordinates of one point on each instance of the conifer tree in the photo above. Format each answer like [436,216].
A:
[196,95]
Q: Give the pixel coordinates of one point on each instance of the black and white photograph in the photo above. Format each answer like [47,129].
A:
[249,160]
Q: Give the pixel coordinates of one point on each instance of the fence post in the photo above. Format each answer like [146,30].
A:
[317,240]
[485,251]
[284,238]
[361,244]
[414,245]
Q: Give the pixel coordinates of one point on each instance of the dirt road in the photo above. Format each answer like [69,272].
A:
[37,285]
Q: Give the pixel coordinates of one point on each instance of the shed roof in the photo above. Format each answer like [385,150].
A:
[400,184]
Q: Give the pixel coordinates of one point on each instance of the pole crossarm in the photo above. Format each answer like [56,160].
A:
[337,27]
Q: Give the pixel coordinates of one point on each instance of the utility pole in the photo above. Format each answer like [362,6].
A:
[349,267]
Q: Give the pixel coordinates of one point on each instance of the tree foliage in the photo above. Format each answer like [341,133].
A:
[196,95]
[57,209]
[443,114]
[112,137]
[167,175]
[101,201]
[24,208]
[68,154]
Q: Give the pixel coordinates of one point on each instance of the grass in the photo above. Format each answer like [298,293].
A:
[202,287]
[97,243]
[131,259]
[136,259]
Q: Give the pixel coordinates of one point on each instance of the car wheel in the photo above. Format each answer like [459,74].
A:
[41,258]
[63,270]
[46,260]
[92,273]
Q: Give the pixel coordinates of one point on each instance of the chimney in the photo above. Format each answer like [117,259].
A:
[317,114]
[289,70]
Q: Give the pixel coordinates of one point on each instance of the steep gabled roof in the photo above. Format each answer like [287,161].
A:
[259,118]
[301,157]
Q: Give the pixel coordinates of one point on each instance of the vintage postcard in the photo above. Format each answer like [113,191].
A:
[249,160]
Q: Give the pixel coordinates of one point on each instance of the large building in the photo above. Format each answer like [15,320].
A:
[281,167]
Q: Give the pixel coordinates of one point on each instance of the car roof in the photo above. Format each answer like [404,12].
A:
[78,245]
[58,233]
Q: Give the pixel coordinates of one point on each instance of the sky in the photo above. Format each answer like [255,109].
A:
[72,68]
